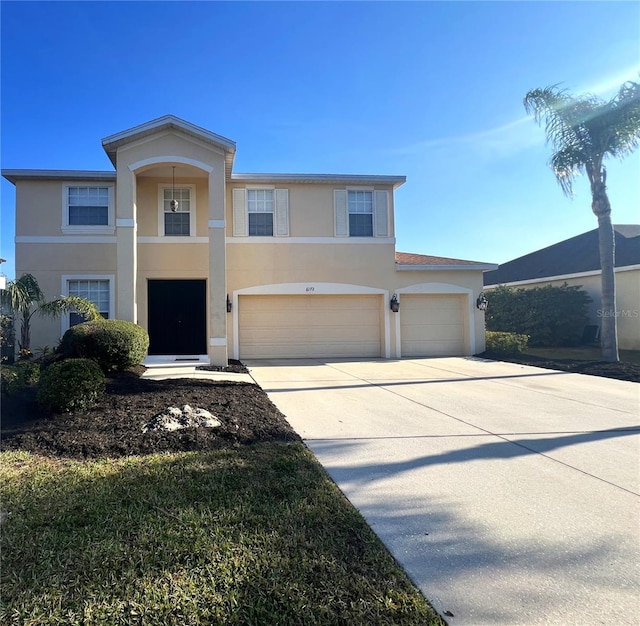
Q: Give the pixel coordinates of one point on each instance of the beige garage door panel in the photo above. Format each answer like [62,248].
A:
[433,325]
[309,326]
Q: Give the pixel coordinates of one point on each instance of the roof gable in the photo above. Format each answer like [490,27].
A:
[169,122]
[572,256]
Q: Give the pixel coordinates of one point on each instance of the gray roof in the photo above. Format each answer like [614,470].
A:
[572,256]
[14,175]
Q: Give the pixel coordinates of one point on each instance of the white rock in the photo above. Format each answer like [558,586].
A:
[174,418]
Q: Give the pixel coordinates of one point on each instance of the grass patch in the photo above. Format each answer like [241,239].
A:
[582,353]
[254,535]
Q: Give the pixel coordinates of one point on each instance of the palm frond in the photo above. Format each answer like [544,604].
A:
[623,117]
[21,294]
[583,131]
[66,304]
[567,165]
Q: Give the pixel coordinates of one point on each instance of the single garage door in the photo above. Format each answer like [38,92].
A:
[309,326]
[433,325]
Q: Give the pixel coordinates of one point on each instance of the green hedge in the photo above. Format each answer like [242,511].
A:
[505,343]
[18,376]
[71,385]
[550,316]
[113,344]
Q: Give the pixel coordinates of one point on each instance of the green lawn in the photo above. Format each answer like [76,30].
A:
[255,535]
[582,354]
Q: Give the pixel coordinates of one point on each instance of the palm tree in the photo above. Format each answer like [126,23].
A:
[582,132]
[24,298]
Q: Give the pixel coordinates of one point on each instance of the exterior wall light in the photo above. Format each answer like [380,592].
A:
[482,303]
[394,304]
[173,205]
[229,305]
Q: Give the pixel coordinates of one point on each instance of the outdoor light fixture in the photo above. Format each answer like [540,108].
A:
[394,304]
[173,205]
[482,302]
[228,304]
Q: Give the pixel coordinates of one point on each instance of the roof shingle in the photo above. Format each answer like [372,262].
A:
[407,258]
[571,256]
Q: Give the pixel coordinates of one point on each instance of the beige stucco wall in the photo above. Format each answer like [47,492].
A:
[40,208]
[310,207]
[41,205]
[361,265]
[49,263]
[627,302]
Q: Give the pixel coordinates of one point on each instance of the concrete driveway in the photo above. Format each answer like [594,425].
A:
[509,494]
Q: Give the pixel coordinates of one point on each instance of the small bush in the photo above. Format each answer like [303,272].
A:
[505,343]
[113,344]
[18,376]
[71,385]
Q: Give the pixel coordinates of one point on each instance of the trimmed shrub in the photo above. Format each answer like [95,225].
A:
[551,316]
[7,339]
[113,344]
[505,343]
[71,385]
[18,376]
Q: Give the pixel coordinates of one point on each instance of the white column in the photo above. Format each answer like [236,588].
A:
[218,352]
[126,231]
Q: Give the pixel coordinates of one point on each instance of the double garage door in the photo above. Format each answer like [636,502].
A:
[325,326]
[310,326]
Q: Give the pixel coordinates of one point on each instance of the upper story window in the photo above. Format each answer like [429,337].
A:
[87,208]
[360,213]
[260,212]
[178,221]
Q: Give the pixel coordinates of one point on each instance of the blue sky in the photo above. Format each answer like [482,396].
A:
[430,90]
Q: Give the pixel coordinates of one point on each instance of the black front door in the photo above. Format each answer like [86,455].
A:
[177,316]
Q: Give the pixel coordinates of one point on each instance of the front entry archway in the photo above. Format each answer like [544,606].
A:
[177,319]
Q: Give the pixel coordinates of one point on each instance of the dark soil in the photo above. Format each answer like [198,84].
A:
[234,366]
[619,371]
[113,428]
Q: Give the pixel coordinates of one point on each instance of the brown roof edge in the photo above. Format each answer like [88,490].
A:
[423,260]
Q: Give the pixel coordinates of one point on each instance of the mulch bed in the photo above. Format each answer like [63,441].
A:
[234,366]
[619,371]
[113,428]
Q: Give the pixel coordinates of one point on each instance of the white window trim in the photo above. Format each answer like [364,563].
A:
[280,213]
[64,319]
[192,209]
[377,227]
[67,228]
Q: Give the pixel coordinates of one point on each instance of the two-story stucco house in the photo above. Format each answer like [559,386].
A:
[217,265]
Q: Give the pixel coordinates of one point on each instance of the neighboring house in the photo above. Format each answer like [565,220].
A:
[247,266]
[576,262]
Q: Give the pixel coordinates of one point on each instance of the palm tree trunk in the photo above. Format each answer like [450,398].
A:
[25,333]
[606,240]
